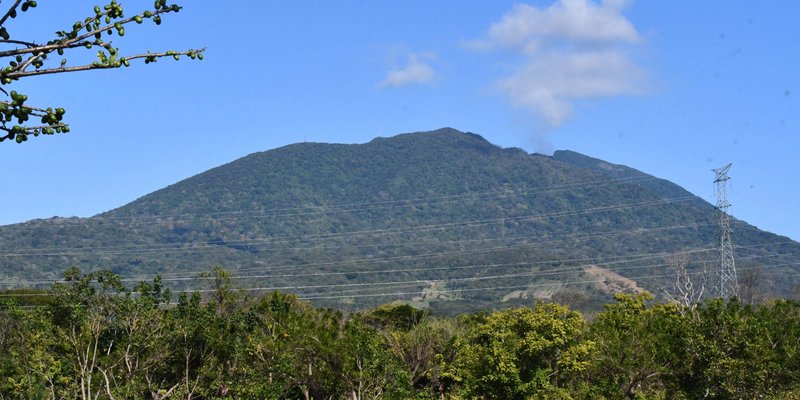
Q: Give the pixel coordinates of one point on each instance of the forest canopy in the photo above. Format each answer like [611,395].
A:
[91,337]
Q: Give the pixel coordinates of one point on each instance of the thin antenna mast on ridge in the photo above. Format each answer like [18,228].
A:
[728,282]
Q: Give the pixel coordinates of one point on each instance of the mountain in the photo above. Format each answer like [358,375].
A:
[443,219]
[660,187]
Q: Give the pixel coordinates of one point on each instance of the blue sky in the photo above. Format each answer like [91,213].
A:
[671,88]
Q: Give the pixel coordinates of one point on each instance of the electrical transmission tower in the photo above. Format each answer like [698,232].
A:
[728,282]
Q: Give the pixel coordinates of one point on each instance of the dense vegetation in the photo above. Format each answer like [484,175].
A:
[443,219]
[91,338]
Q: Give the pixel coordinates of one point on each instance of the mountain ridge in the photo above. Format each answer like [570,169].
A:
[442,209]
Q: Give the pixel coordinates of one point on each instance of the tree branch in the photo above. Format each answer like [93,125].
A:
[108,384]
[113,26]
[22,42]
[88,67]
[11,10]
[63,43]
[31,58]
[43,111]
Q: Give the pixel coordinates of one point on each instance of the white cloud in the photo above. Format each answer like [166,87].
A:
[571,50]
[572,22]
[547,84]
[414,72]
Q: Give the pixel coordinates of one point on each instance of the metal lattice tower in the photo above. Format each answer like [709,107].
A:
[728,282]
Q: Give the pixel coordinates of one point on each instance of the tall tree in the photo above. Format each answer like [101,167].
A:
[523,353]
[639,345]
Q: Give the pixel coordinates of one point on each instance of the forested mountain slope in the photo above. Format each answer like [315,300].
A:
[443,219]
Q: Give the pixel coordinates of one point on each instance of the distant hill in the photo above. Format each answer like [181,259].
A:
[442,219]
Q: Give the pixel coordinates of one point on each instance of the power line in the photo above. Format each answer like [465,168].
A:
[282,239]
[399,294]
[625,259]
[182,276]
[571,237]
[505,192]
[478,278]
